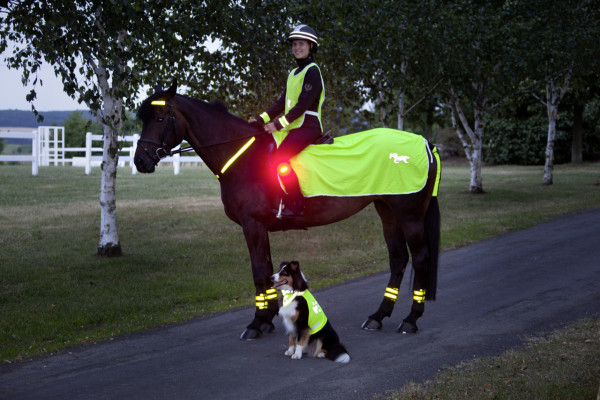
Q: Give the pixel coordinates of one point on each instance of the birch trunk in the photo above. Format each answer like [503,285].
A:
[549,165]
[109,244]
[554,95]
[471,138]
[401,107]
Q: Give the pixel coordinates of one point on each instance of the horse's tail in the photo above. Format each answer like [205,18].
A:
[432,238]
[432,230]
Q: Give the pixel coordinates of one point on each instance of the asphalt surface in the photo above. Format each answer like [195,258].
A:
[490,295]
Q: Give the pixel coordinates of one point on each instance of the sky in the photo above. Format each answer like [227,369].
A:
[50,97]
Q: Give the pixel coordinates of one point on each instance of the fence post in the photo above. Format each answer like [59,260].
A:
[132,149]
[88,153]
[176,162]
[35,146]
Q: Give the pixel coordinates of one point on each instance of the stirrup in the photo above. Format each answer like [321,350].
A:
[281,206]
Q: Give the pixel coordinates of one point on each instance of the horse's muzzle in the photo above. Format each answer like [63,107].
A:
[144,164]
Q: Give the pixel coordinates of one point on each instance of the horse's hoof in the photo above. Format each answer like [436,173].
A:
[250,334]
[407,327]
[267,327]
[371,325]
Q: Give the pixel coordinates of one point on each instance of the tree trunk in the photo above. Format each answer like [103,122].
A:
[554,95]
[401,107]
[472,144]
[577,144]
[549,167]
[109,245]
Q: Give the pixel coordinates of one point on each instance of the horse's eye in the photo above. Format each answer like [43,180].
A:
[160,119]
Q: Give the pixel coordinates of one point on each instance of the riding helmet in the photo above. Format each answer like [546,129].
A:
[304,32]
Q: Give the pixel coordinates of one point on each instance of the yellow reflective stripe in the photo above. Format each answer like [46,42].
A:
[158,103]
[391,293]
[239,153]
[392,290]
[284,122]
[419,296]
[262,300]
[265,117]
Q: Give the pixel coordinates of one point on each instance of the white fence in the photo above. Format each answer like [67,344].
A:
[33,158]
[47,144]
[91,159]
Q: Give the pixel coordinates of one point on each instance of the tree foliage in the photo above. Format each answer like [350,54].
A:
[411,60]
[106,52]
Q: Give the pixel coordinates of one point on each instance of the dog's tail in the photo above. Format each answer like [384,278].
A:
[338,353]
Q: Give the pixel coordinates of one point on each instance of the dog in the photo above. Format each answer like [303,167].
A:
[305,322]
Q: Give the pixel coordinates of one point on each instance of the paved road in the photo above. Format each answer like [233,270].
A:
[490,294]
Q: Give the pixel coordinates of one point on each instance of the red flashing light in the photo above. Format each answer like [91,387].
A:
[284,169]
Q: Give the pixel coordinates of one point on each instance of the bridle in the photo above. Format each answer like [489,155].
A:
[161,151]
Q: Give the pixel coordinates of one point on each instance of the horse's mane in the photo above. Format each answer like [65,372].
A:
[145,109]
[215,107]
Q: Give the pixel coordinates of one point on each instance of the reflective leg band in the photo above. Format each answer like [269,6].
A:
[262,300]
[419,296]
[391,293]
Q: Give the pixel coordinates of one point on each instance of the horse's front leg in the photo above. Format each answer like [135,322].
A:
[398,257]
[267,306]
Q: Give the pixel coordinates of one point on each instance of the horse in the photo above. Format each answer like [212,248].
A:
[238,153]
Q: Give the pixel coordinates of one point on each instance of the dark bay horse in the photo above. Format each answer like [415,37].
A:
[238,154]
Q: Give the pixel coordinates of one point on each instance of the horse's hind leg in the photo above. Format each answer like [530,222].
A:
[415,235]
[398,256]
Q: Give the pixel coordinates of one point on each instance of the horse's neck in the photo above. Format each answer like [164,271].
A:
[213,136]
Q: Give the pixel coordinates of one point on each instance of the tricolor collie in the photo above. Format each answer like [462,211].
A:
[304,320]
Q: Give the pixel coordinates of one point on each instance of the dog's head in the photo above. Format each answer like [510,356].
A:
[290,277]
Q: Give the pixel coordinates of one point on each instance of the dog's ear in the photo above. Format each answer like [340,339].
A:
[295,265]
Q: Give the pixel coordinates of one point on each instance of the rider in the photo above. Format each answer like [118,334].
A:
[300,125]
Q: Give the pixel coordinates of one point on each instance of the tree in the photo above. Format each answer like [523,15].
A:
[105,52]
[479,55]
[564,56]
[76,126]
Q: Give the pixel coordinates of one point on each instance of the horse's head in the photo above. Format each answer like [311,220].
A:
[159,129]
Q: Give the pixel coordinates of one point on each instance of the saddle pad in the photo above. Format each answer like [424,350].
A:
[377,161]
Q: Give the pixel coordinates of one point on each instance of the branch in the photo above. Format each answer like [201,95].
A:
[424,96]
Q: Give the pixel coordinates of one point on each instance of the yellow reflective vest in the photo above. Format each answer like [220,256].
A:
[316,317]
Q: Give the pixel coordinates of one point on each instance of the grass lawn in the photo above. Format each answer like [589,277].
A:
[183,257]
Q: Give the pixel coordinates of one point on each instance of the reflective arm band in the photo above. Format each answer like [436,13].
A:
[284,122]
[265,117]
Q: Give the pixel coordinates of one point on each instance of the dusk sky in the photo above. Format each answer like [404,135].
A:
[50,97]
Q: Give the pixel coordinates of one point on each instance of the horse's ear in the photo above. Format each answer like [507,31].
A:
[173,89]
[295,265]
[158,87]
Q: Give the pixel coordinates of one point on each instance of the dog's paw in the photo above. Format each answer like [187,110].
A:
[343,358]
[290,351]
[320,354]
[296,356]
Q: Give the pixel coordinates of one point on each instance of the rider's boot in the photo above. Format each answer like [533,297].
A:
[291,205]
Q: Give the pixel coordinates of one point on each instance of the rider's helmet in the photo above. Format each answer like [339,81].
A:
[304,32]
